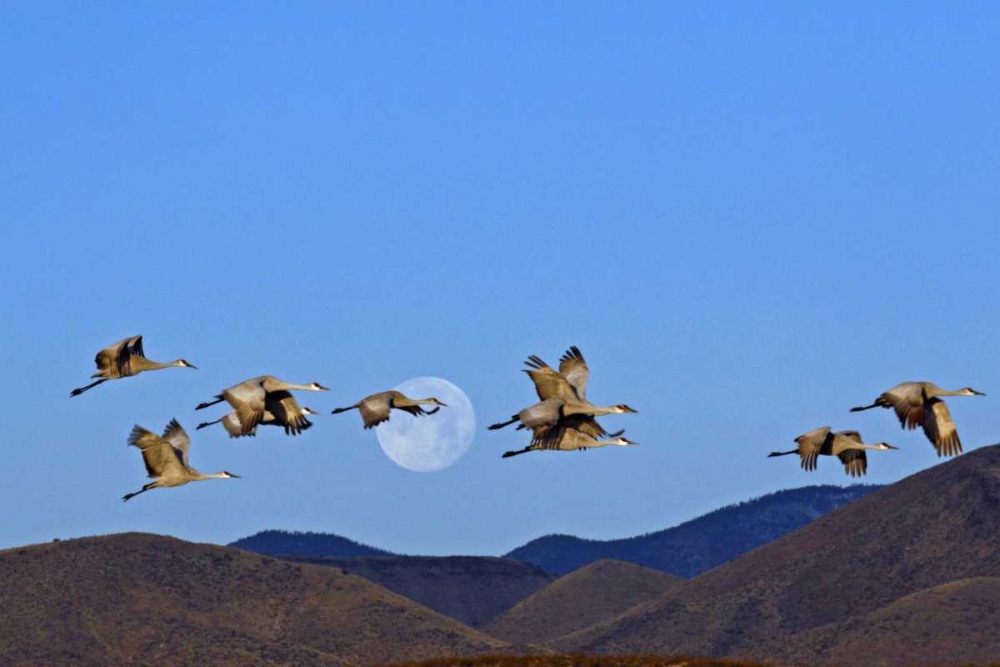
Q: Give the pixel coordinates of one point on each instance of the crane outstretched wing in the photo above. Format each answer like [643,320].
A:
[574,368]
[810,445]
[855,462]
[178,439]
[375,409]
[286,411]
[940,429]
[248,399]
[161,459]
[549,383]
[909,407]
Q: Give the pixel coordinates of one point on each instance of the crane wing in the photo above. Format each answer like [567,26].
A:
[178,439]
[909,406]
[286,411]
[585,424]
[231,422]
[810,445]
[940,429]
[855,462]
[573,367]
[852,435]
[161,459]
[113,361]
[548,382]
[248,399]
[375,409]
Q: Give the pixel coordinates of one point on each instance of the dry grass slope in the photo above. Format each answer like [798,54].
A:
[143,599]
[594,593]
[931,529]
[576,660]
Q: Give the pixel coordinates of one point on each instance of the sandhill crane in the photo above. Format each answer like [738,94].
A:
[265,393]
[125,359]
[565,439]
[375,409]
[563,395]
[919,404]
[231,422]
[845,445]
[166,458]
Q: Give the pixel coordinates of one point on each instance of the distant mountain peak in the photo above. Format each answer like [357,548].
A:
[306,544]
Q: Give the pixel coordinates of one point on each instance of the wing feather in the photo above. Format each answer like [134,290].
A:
[940,429]
[161,459]
[574,368]
[178,439]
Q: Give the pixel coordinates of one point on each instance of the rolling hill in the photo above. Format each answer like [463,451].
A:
[471,589]
[305,545]
[144,599]
[594,593]
[813,593]
[699,545]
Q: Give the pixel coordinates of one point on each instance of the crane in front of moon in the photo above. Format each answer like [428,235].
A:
[376,408]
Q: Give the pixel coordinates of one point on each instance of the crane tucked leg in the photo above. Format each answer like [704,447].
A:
[507,455]
[337,411]
[513,419]
[200,406]
[80,390]
[204,424]
[794,451]
[129,496]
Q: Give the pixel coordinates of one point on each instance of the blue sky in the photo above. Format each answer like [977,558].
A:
[749,216]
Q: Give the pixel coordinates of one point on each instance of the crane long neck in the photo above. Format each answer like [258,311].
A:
[298,387]
[150,365]
[212,475]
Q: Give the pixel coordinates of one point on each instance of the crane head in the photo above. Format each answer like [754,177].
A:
[969,391]
[316,386]
[309,411]
[438,402]
[228,474]
[623,442]
[884,446]
[184,364]
[622,409]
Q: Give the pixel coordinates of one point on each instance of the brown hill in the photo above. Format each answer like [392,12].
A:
[930,529]
[471,589]
[594,593]
[579,661]
[150,600]
[968,610]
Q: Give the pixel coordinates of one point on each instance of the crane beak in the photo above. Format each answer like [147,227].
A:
[442,404]
[978,393]
[192,366]
[891,446]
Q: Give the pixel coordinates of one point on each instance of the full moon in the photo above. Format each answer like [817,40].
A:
[432,442]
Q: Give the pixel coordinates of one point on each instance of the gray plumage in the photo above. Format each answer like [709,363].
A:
[252,399]
[919,404]
[563,398]
[125,359]
[845,445]
[166,458]
[567,439]
[231,422]
[377,408]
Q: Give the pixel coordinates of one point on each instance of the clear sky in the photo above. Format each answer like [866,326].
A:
[749,216]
